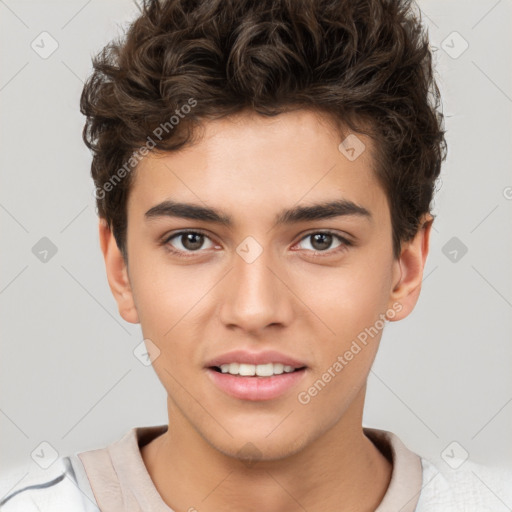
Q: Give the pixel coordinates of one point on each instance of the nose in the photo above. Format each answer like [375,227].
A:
[255,295]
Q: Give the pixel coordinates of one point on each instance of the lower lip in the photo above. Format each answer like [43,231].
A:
[256,388]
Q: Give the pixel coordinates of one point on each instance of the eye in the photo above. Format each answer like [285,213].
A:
[187,241]
[321,241]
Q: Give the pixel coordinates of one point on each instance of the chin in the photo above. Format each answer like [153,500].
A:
[257,446]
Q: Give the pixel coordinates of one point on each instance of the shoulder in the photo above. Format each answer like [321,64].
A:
[465,487]
[62,486]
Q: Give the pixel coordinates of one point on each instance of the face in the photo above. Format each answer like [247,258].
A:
[311,287]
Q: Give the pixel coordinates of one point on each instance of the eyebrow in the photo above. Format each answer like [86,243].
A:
[306,213]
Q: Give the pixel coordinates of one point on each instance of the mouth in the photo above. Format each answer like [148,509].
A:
[256,382]
[252,370]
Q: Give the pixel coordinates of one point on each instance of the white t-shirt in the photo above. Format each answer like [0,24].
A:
[115,479]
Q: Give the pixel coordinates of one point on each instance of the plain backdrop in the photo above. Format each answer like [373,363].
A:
[68,375]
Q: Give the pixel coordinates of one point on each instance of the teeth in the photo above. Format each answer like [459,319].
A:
[246,370]
[261,370]
[264,370]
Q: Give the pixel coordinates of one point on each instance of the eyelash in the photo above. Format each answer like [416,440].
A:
[317,254]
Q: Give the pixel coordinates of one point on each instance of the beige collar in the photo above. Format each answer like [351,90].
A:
[121,482]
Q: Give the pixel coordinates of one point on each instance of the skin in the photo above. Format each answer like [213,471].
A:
[313,456]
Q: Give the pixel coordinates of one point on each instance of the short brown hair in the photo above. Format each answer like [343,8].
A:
[365,63]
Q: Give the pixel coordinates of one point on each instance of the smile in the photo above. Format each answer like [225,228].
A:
[259,370]
[255,387]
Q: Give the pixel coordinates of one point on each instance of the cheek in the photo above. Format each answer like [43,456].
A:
[155,285]
[344,301]
[170,298]
[350,305]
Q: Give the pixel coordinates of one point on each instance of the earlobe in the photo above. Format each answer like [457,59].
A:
[409,267]
[117,274]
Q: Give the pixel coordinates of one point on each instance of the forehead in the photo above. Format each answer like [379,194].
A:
[260,164]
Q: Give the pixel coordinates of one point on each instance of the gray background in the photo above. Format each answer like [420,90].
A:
[68,374]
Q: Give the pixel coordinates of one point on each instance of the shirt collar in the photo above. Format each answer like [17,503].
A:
[120,480]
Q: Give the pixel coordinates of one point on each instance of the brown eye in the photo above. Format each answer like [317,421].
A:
[322,241]
[187,241]
[192,241]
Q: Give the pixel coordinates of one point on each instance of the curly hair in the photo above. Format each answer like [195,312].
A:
[365,63]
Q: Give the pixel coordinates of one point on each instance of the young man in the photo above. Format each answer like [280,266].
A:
[264,173]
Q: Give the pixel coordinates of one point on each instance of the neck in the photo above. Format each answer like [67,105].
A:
[341,470]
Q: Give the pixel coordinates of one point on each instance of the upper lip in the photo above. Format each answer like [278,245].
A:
[247,357]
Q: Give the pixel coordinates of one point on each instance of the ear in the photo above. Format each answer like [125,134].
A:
[117,274]
[408,271]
